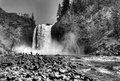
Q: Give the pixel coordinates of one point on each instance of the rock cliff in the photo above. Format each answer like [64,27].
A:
[15,29]
[92,24]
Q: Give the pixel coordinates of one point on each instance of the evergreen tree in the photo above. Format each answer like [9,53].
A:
[33,18]
[116,23]
[59,10]
[65,7]
[78,6]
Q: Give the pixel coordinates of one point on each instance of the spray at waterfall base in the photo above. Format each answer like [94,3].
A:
[43,43]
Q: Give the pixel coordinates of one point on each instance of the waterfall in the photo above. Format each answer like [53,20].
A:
[47,35]
[34,43]
[41,37]
[34,38]
[42,42]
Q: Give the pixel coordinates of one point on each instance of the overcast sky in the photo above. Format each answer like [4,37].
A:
[44,10]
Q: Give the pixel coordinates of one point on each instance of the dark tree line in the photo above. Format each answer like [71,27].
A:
[64,8]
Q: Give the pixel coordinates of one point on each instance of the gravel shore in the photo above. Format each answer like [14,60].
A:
[23,67]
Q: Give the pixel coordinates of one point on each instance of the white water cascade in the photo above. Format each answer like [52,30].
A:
[34,38]
[41,37]
[42,41]
[45,45]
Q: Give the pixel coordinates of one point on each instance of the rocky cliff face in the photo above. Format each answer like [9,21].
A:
[92,24]
[15,29]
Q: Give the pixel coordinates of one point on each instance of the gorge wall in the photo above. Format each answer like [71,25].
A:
[92,25]
[15,29]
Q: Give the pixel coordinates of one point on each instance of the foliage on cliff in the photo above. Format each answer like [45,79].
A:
[93,22]
[16,29]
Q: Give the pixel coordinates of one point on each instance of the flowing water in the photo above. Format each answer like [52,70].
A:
[42,37]
[42,41]
[44,44]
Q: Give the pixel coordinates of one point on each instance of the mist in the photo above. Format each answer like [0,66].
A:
[52,49]
[67,47]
